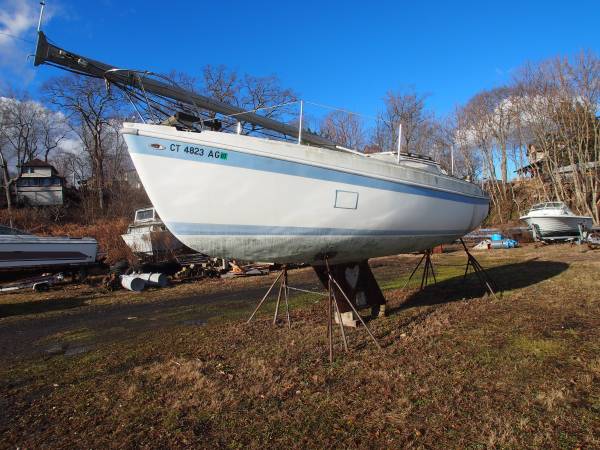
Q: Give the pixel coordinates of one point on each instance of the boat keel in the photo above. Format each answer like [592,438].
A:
[359,285]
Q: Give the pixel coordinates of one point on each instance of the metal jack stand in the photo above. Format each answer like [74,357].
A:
[283,288]
[332,307]
[331,304]
[482,275]
[427,270]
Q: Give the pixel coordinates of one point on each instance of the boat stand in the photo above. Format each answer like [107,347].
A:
[332,307]
[427,270]
[485,280]
[283,289]
[332,285]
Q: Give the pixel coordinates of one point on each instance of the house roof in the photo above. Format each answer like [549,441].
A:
[36,162]
[530,166]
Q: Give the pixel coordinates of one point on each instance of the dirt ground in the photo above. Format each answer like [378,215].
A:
[178,367]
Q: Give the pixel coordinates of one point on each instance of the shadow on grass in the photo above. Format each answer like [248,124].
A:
[40,306]
[507,277]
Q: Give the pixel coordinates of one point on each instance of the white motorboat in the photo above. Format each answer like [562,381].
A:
[148,236]
[19,250]
[289,203]
[555,221]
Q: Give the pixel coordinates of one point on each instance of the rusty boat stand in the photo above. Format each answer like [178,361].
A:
[334,291]
[428,272]
[283,288]
[333,309]
[484,278]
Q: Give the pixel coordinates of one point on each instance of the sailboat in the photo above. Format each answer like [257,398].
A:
[310,201]
[291,203]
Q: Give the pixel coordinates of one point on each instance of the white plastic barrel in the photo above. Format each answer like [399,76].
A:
[154,279]
[133,283]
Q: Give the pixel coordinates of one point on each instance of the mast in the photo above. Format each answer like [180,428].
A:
[47,53]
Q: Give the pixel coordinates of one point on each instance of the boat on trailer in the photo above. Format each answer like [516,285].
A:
[554,221]
[20,250]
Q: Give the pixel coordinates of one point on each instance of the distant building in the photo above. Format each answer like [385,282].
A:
[535,157]
[39,184]
[537,165]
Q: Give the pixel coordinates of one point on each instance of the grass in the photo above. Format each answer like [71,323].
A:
[520,371]
[539,348]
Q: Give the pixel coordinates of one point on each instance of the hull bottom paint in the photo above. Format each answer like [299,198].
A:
[241,197]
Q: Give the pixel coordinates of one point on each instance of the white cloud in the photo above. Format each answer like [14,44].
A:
[16,19]
[18,23]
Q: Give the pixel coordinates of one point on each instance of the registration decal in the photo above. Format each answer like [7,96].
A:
[198,151]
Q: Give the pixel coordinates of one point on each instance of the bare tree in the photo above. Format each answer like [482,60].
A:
[560,110]
[90,108]
[221,83]
[28,130]
[74,164]
[54,130]
[499,115]
[4,143]
[474,117]
[408,109]
[345,129]
[464,144]
[250,93]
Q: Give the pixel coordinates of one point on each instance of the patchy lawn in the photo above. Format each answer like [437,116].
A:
[179,367]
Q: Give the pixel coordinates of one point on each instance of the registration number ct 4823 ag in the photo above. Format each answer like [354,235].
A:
[198,151]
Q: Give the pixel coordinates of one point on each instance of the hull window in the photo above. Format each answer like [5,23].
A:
[346,200]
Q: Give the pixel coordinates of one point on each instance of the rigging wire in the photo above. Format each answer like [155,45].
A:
[132,92]
[321,105]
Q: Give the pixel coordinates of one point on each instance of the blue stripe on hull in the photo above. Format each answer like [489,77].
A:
[141,144]
[208,229]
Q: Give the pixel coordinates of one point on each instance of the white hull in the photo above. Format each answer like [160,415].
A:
[558,226]
[272,201]
[25,251]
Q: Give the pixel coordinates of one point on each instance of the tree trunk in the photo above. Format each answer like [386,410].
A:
[99,175]
[7,184]
[504,164]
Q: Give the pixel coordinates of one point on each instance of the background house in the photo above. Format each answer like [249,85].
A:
[535,158]
[538,166]
[39,184]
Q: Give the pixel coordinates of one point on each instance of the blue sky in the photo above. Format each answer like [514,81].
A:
[342,53]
